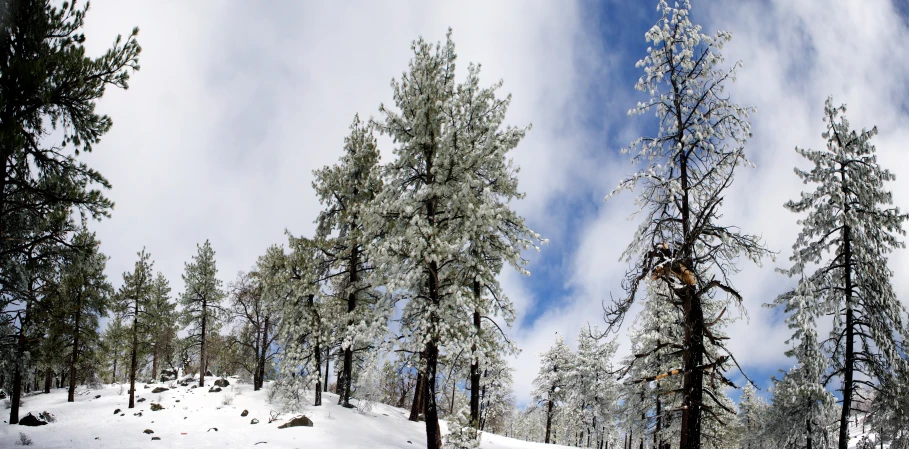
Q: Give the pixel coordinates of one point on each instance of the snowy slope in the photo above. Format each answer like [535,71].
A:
[91,423]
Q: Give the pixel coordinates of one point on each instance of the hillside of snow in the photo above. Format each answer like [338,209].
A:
[191,415]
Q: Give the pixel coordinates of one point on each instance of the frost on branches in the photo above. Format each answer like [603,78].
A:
[688,164]
[443,213]
[347,190]
[850,228]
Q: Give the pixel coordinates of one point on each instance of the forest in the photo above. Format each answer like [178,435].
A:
[396,298]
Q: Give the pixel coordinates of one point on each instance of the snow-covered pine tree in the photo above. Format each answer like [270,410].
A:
[595,392]
[162,326]
[689,164]
[803,411]
[201,300]
[497,234]
[890,409]
[347,190]
[86,293]
[553,382]
[133,302]
[433,207]
[753,417]
[850,229]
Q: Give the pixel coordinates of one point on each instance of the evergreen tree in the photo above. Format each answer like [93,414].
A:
[133,301]
[446,191]
[258,321]
[753,417]
[86,292]
[553,381]
[347,190]
[163,320]
[689,164]
[201,300]
[850,228]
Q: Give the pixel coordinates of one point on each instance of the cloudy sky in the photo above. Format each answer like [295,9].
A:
[237,103]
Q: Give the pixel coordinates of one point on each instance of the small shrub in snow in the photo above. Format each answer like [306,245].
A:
[461,435]
[121,390]
[273,416]
[228,399]
[24,440]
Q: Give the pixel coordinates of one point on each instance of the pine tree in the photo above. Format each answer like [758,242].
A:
[163,320]
[251,309]
[347,190]
[851,218]
[201,300]
[133,301]
[497,234]
[86,293]
[551,386]
[689,164]
[443,194]
[753,417]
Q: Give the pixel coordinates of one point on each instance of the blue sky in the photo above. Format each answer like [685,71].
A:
[236,104]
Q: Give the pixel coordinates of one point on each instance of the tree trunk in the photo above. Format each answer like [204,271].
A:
[202,347]
[849,365]
[416,408]
[154,373]
[808,435]
[71,396]
[549,416]
[48,379]
[327,360]
[262,352]
[693,379]
[475,366]
[433,432]
[317,352]
[16,394]
[133,357]
[351,306]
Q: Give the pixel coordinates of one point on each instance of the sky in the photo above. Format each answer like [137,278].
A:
[236,104]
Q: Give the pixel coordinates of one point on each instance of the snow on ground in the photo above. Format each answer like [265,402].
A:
[189,413]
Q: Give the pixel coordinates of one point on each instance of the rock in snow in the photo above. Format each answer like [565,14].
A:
[31,421]
[299,421]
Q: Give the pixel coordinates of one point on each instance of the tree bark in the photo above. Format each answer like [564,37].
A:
[202,346]
[71,396]
[16,394]
[133,357]
[416,408]
[317,352]
[808,435]
[351,306]
[262,351]
[475,366]
[327,360]
[549,406]
[849,365]
[433,432]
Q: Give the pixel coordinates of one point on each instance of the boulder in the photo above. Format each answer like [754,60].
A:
[194,386]
[160,390]
[148,431]
[208,373]
[140,400]
[98,396]
[31,421]
[245,412]
[300,421]
[138,414]
[147,387]
[254,421]
[214,390]
[2,394]
[49,417]
[156,407]
[156,438]
[223,383]
[116,411]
